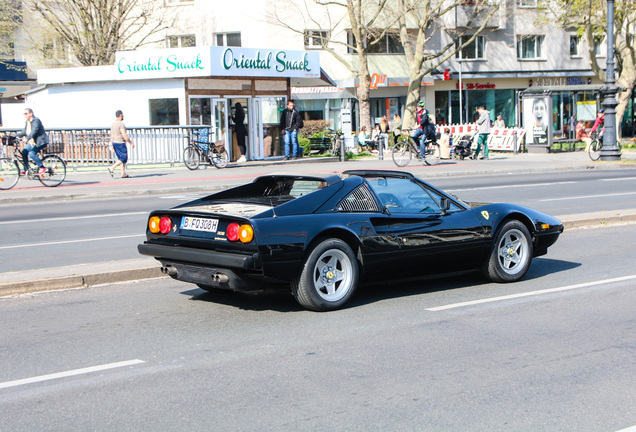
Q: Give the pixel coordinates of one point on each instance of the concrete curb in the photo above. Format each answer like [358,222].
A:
[74,277]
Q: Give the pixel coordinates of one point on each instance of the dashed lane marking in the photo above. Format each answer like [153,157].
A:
[70,373]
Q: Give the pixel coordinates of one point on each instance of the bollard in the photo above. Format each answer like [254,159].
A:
[514,142]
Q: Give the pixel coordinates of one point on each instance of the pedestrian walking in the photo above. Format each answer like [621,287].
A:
[483,126]
[118,140]
[397,127]
[290,122]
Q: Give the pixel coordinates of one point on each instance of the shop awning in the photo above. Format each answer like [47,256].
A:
[324,80]
[572,88]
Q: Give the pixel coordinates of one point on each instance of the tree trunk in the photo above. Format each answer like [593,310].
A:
[363,92]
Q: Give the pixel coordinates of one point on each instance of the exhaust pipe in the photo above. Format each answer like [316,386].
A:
[220,278]
[170,271]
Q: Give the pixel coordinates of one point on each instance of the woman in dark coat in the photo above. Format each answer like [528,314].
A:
[239,128]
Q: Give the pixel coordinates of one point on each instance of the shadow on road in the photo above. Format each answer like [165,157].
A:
[369,293]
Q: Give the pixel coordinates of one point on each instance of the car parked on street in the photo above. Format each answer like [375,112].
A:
[322,236]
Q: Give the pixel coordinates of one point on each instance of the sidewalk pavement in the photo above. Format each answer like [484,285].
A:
[97,183]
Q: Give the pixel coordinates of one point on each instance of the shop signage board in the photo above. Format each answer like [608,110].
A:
[216,61]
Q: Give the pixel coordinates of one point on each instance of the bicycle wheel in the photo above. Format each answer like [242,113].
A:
[191,157]
[595,150]
[9,173]
[220,160]
[401,153]
[55,171]
[432,153]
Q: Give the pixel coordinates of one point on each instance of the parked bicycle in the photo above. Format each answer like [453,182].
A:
[210,153]
[406,149]
[10,167]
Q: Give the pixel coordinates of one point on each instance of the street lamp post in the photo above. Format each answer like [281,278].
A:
[610,150]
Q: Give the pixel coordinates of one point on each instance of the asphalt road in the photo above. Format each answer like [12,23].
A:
[37,235]
[554,352]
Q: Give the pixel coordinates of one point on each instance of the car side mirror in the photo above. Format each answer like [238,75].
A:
[445,204]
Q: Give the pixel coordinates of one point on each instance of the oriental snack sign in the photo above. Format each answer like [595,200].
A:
[216,61]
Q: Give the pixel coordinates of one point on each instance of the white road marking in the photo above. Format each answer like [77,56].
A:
[510,186]
[73,217]
[629,429]
[71,241]
[588,196]
[530,293]
[70,373]
[619,179]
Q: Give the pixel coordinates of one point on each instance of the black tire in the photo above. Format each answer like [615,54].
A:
[329,276]
[432,153]
[55,171]
[401,154]
[220,160]
[511,253]
[594,150]
[191,157]
[9,173]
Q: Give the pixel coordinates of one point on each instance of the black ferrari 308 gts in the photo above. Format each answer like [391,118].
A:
[323,235]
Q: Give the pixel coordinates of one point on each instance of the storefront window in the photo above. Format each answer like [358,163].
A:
[164,111]
[200,111]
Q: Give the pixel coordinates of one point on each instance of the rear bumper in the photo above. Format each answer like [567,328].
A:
[209,268]
[199,256]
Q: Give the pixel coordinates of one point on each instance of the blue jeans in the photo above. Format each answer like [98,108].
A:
[419,133]
[293,136]
[31,151]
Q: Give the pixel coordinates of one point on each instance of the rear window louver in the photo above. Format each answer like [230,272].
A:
[360,200]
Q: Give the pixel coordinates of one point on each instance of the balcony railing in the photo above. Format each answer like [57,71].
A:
[85,147]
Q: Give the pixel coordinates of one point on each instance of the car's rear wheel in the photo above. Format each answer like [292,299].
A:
[511,253]
[329,276]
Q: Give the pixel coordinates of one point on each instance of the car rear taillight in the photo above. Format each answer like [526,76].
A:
[153,224]
[233,232]
[244,233]
[165,225]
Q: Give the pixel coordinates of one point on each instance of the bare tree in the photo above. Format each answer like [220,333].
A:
[344,26]
[429,17]
[589,18]
[95,29]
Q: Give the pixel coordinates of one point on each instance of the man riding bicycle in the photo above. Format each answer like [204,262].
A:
[35,138]
[426,129]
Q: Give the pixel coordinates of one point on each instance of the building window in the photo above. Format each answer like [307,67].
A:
[315,39]
[474,50]
[527,3]
[598,45]
[7,50]
[56,49]
[164,111]
[389,44]
[228,39]
[574,46]
[181,41]
[530,47]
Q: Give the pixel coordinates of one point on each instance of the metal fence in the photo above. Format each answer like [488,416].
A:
[84,147]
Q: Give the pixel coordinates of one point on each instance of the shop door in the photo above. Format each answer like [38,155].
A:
[267,112]
[219,116]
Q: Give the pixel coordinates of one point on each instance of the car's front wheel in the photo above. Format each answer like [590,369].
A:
[511,253]
[328,278]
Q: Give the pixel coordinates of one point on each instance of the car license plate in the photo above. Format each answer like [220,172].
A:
[199,224]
